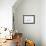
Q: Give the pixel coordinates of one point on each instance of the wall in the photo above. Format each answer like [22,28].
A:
[6,18]
[28,7]
[43,22]
[6,13]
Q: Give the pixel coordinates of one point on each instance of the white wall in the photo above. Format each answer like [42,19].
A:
[6,18]
[6,13]
[43,22]
[28,7]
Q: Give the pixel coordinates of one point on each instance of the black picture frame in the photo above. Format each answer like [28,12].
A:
[32,21]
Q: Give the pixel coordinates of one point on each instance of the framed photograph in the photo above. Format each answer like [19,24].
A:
[28,19]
